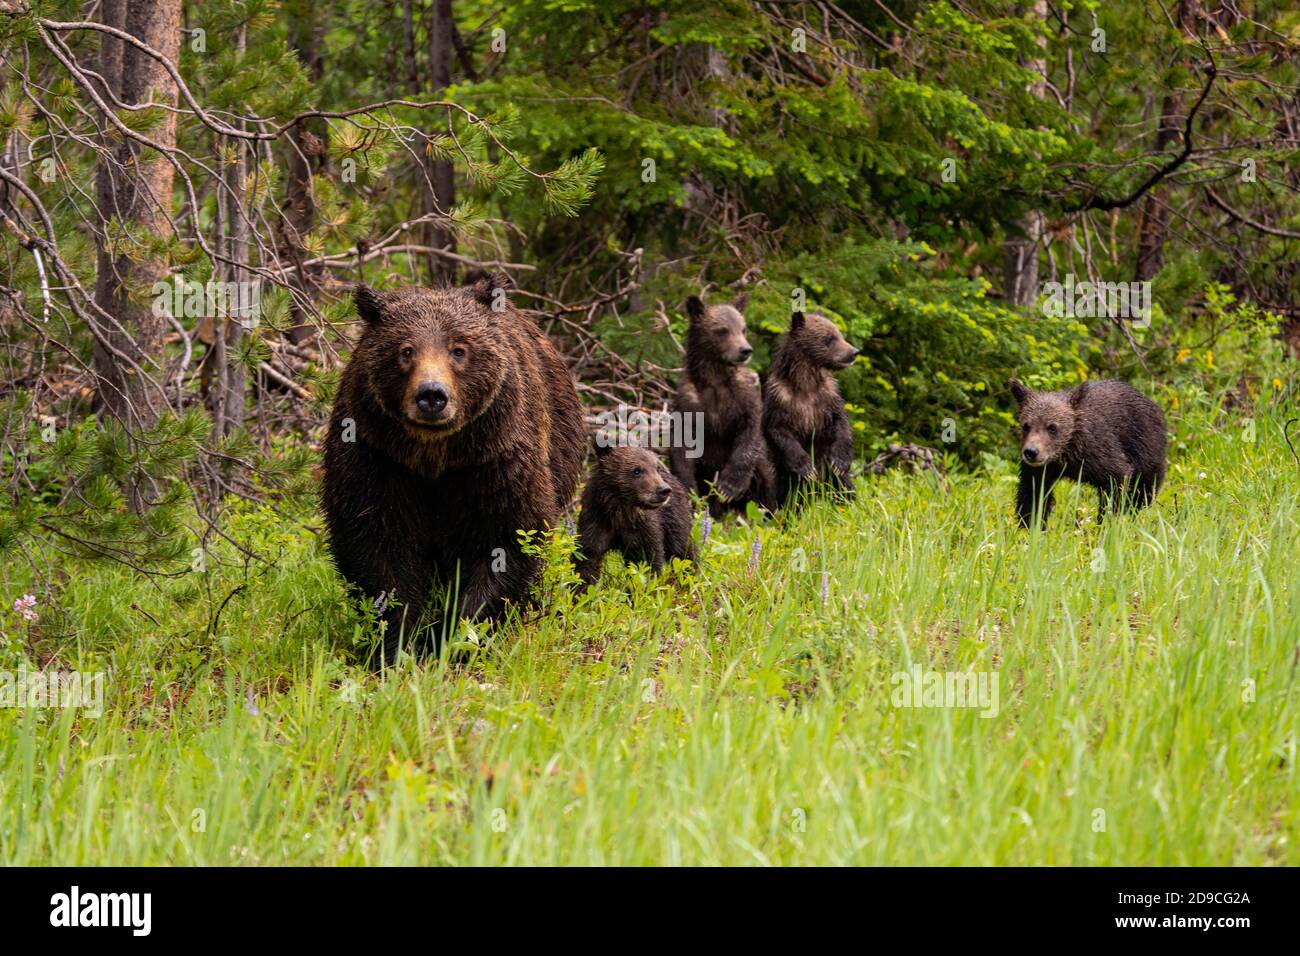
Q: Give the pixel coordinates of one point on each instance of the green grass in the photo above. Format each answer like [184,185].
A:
[1148,704]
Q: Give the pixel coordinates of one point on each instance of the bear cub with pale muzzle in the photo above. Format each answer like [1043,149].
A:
[632,504]
[1105,434]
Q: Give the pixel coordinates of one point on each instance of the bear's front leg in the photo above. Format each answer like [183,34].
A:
[482,532]
[738,474]
[790,453]
[841,454]
[404,629]
[763,489]
[656,553]
[491,584]
[594,540]
[378,536]
[682,466]
[402,606]
[675,535]
[1035,483]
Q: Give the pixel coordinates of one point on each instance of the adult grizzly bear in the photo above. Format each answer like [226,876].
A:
[803,414]
[457,425]
[1105,434]
[734,466]
[632,505]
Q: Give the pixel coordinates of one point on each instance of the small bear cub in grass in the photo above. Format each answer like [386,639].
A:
[1105,434]
[633,505]
[803,414]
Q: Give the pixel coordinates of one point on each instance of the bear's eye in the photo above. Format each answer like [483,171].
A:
[719,332]
[1025,429]
[830,340]
[407,352]
[1051,429]
[458,352]
[638,472]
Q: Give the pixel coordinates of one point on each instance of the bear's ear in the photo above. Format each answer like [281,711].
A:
[370,304]
[1018,391]
[695,308]
[796,321]
[1079,394]
[740,301]
[602,442]
[484,289]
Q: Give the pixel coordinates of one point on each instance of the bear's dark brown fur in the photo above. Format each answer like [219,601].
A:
[633,505]
[1105,434]
[456,426]
[803,414]
[734,466]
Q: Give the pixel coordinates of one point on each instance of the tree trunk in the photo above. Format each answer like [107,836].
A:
[1020,262]
[302,157]
[441,172]
[1020,252]
[408,46]
[228,399]
[134,185]
[1153,221]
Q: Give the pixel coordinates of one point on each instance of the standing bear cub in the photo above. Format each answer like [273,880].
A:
[1105,434]
[803,414]
[733,467]
[456,426]
[632,505]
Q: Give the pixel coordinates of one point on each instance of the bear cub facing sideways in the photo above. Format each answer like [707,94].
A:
[1105,434]
[803,414]
[734,466]
[632,505]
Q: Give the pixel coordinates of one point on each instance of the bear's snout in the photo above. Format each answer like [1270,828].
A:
[431,398]
[744,354]
[1031,455]
[652,499]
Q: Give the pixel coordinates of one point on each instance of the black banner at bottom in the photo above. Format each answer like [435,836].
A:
[338,905]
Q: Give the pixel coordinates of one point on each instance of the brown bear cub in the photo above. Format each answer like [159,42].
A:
[733,466]
[803,414]
[457,424]
[632,505]
[1105,434]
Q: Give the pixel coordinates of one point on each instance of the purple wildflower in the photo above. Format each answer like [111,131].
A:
[826,588]
[26,606]
[755,552]
[705,527]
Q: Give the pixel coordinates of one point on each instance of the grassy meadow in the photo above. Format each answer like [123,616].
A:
[743,712]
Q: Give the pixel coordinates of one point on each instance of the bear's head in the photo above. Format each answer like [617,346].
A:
[820,342]
[434,359]
[1047,421]
[636,475]
[717,332]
